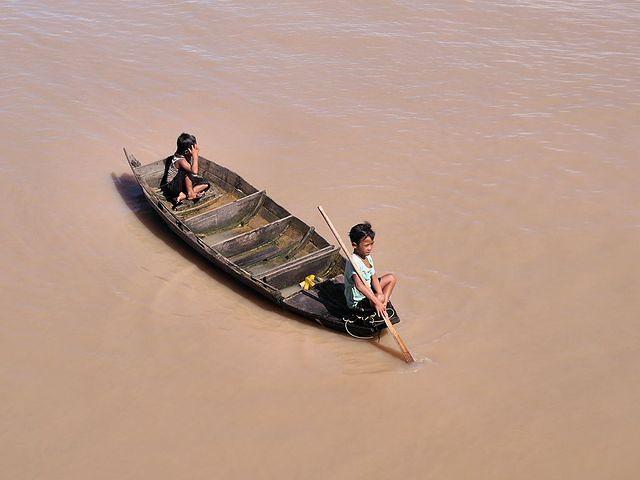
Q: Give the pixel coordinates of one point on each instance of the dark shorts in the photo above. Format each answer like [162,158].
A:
[175,186]
[364,305]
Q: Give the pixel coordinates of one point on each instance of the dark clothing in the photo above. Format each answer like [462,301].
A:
[174,178]
[364,305]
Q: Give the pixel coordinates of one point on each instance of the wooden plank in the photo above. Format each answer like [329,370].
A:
[230,179]
[270,259]
[250,240]
[295,271]
[276,252]
[230,214]
[303,241]
[294,263]
[212,199]
[274,208]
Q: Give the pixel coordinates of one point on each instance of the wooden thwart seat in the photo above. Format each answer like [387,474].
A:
[242,216]
[322,263]
[271,245]
[226,216]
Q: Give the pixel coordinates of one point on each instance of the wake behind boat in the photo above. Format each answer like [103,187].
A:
[241,230]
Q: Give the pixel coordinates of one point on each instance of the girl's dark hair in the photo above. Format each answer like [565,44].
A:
[360,231]
[185,142]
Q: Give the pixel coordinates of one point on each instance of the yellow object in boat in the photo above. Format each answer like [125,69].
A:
[309,281]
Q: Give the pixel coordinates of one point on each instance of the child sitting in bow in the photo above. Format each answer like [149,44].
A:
[376,291]
[181,180]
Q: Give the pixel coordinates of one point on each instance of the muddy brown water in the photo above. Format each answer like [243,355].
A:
[492,144]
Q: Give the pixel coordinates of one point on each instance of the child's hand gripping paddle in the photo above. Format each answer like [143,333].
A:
[406,354]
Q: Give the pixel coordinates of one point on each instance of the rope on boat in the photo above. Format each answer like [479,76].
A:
[346,327]
[371,319]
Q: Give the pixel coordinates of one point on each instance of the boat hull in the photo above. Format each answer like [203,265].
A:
[243,232]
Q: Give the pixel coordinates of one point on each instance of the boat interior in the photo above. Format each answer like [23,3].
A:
[249,229]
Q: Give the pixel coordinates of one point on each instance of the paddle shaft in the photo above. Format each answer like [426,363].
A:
[406,354]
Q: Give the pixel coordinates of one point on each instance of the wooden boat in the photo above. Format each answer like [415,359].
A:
[241,230]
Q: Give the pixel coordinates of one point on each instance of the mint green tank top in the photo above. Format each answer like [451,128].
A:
[351,293]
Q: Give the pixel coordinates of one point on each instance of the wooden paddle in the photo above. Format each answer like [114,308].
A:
[406,354]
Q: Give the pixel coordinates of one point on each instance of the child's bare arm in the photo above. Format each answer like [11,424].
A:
[183,164]
[195,152]
[191,168]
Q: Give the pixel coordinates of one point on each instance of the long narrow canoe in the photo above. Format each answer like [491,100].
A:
[242,231]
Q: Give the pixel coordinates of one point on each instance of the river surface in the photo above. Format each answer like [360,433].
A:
[492,144]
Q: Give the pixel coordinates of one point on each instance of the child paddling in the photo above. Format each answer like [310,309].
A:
[357,295]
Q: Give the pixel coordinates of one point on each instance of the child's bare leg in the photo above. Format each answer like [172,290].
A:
[194,192]
[200,188]
[177,200]
[191,192]
[188,186]
[388,283]
[379,294]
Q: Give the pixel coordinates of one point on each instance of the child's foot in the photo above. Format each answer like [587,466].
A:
[178,200]
[196,197]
